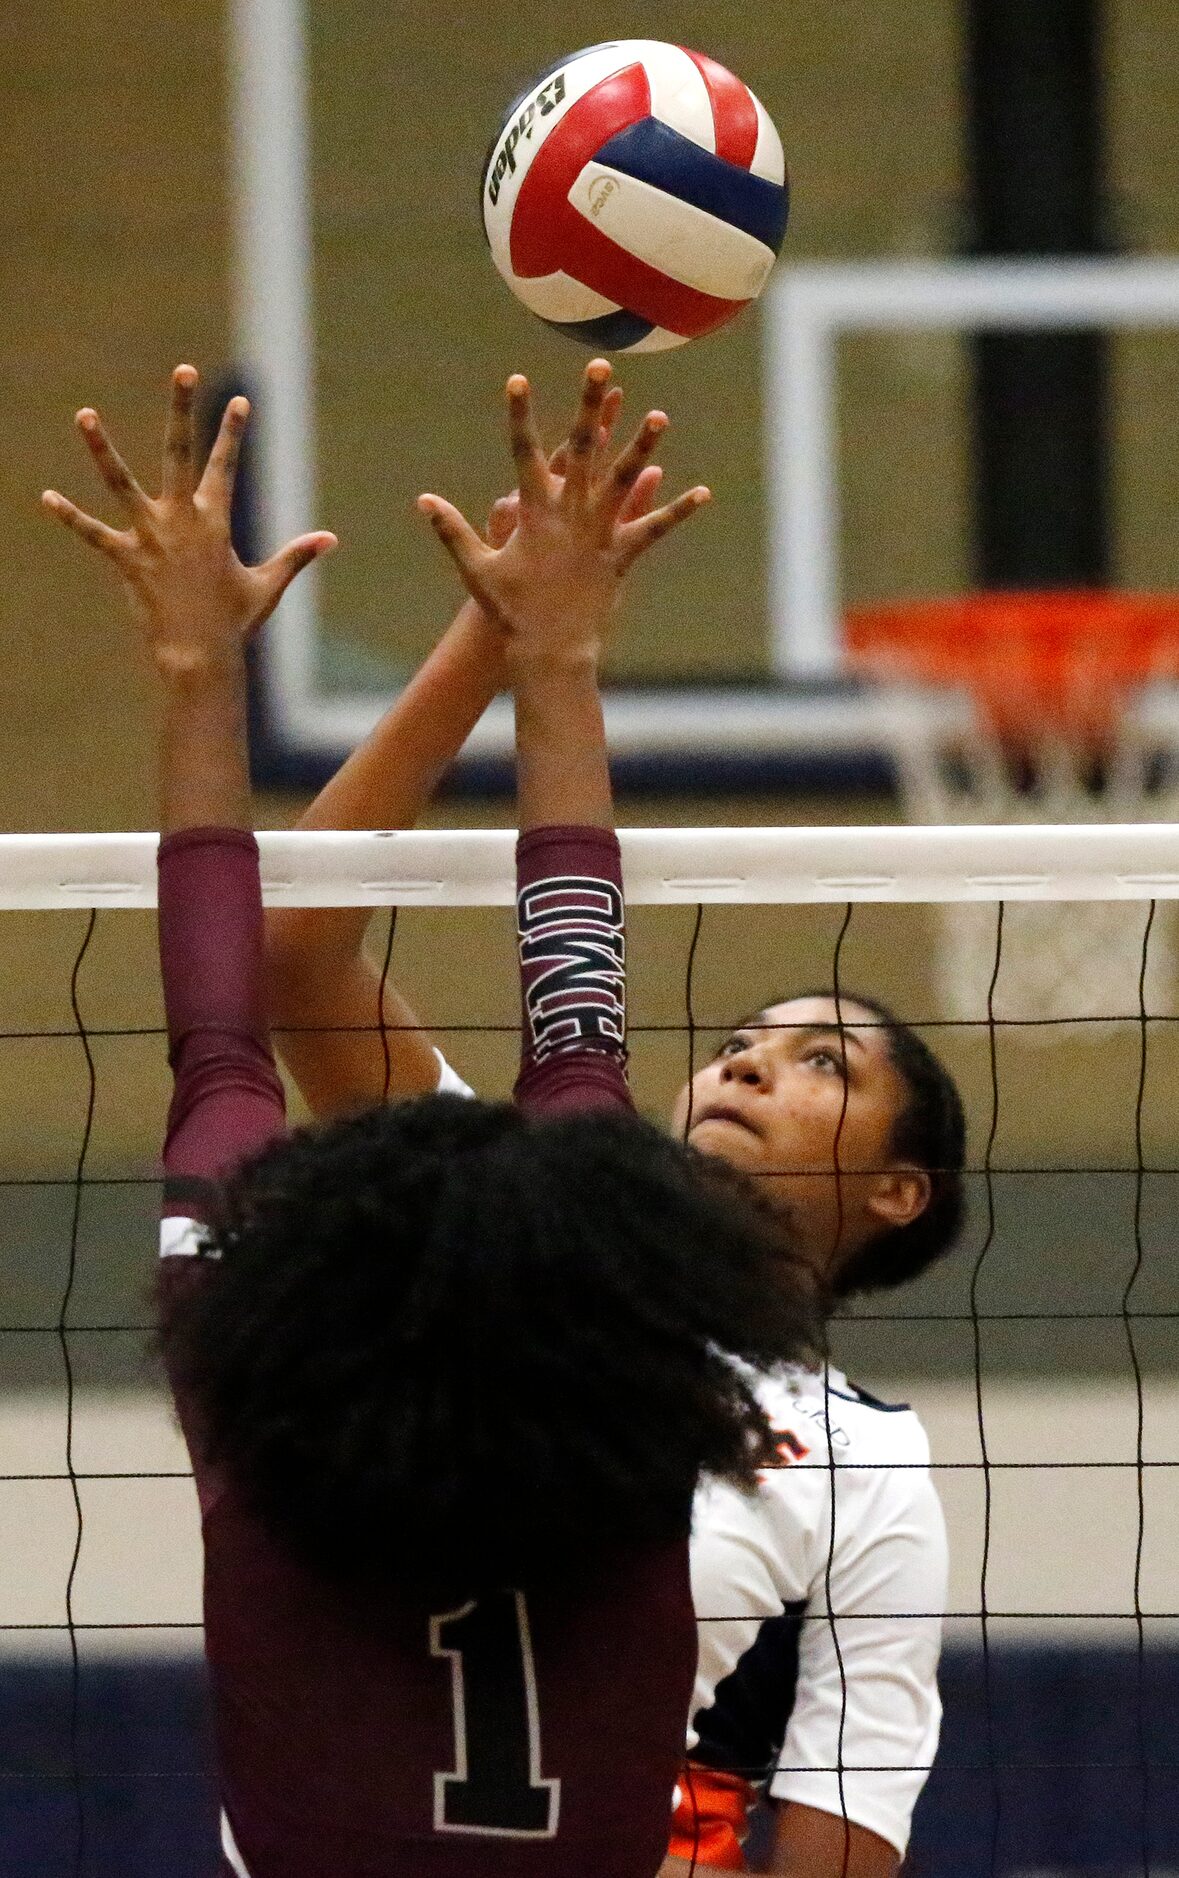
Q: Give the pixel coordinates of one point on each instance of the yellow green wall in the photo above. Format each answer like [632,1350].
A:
[114,264]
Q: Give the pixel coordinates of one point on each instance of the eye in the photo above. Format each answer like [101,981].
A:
[829,1060]
[734,1045]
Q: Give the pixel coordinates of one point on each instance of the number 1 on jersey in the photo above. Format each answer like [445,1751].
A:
[496,1786]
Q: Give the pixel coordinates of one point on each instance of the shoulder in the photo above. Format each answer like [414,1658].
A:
[850,1460]
[882,1450]
[890,1431]
[843,1421]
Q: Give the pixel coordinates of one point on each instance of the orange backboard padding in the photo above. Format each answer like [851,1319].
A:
[1056,664]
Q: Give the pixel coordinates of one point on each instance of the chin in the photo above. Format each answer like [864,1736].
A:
[727,1141]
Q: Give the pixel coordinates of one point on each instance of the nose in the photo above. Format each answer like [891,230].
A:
[746,1068]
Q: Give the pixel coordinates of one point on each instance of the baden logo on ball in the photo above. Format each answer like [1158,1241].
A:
[636,197]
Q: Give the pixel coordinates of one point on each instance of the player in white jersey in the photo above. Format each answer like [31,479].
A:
[817,1598]
[830,1705]
[849,1723]
[837,1720]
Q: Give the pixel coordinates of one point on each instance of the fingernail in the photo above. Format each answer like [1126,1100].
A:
[86,419]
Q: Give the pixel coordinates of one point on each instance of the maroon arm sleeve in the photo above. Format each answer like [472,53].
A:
[227,1099]
[572,971]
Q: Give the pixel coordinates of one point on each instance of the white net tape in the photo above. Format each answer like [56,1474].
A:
[662,866]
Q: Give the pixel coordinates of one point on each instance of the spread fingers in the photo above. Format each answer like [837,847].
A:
[107,540]
[531,469]
[111,467]
[638,536]
[178,433]
[584,438]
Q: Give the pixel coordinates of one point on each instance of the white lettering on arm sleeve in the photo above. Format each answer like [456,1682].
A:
[889,1582]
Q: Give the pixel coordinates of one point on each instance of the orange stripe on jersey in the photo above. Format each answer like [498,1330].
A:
[710,1818]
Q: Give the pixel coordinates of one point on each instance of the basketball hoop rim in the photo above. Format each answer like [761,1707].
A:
[1047,661]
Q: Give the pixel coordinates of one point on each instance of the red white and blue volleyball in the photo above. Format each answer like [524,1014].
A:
[636,196]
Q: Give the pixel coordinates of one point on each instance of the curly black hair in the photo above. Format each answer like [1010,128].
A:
[450,1345]
[929,1131]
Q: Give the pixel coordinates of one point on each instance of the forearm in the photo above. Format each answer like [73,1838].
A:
[388,781]
[811,1843]
[562,767]
[571,922]
[569,887]
[323,989]
[204,764]
[227,1098]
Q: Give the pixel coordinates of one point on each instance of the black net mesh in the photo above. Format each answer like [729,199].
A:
[1060,1750]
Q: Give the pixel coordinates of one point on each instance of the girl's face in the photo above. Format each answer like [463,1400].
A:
[788,1098]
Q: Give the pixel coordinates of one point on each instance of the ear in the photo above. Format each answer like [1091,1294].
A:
[900,1196]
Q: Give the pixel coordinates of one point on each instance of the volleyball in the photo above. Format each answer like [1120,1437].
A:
[635,196]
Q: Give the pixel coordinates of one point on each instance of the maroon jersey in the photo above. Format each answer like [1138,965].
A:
[525,1734]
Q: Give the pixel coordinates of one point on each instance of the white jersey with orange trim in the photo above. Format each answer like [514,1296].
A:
[817,1676]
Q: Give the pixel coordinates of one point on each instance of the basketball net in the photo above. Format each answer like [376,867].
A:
[1002,708]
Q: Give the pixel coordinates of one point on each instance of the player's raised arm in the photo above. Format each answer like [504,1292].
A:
[323,988]
[553,588]
[196,606]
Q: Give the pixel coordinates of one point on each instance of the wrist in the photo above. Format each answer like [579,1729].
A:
[192,667]
[527,663]
[477,634]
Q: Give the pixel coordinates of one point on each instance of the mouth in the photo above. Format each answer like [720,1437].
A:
[722,1114]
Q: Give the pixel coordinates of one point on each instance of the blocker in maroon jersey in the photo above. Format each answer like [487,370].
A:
[449,1370]
[366,1736]
[366,1729]
[520,1733]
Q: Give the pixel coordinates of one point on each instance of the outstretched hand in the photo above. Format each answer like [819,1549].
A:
[505,511]
[580,520]
[191,595]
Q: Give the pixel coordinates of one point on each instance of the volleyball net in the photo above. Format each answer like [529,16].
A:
[1040,1354]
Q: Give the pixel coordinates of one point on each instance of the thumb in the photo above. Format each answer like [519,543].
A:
[457,536]
[276,574]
